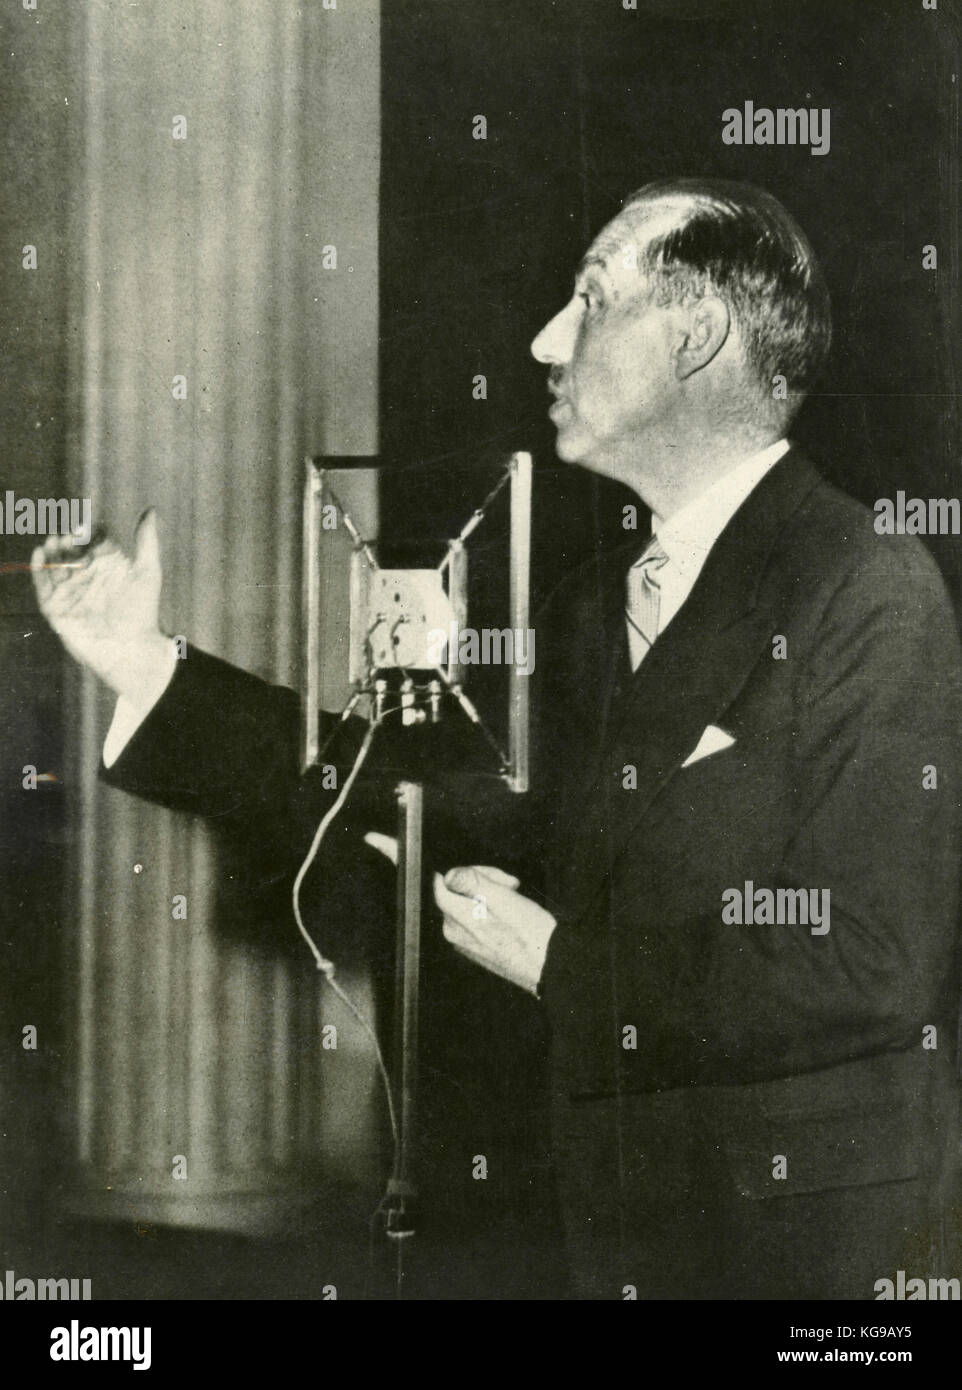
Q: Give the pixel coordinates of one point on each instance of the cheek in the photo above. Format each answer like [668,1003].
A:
[598,376]
[616,368]
[638,369]
[616,387]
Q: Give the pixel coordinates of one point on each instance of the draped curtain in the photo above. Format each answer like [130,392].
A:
[223,323]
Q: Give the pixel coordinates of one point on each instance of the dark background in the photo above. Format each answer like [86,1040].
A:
[584,102]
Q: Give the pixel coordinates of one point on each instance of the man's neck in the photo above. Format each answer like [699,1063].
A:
[699,523]
[669,477]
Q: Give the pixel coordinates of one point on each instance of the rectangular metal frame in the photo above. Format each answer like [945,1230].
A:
[520,469]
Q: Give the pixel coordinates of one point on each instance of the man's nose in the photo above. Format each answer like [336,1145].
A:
[555,343]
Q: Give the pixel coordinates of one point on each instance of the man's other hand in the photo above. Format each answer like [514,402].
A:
[104,606]
[487,920]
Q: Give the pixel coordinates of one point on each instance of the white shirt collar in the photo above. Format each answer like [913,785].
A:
[689,534]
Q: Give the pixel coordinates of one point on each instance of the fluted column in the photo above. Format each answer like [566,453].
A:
[222,148]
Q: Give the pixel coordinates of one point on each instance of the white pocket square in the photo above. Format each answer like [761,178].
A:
[713,740]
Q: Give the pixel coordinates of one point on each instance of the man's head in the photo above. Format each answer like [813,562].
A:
[685,308]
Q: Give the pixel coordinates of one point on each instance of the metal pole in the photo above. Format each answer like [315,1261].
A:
[311,609]
[401,1189]
[518,710]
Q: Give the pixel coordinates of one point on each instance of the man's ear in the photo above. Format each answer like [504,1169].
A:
[705,334]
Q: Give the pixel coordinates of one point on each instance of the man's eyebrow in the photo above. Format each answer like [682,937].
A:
[588,261]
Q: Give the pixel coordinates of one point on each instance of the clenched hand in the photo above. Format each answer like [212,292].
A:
[104,606]
[487,920]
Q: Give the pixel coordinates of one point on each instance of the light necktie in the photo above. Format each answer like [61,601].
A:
[643,601]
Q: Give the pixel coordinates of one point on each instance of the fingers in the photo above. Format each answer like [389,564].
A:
[87,586]
[478,941]
[461,903]
[60,556]
[58,550]
[455,908]
[442,894]
[51,564]
[498,876]
[462,881]
[78,578]
[386,844]
[471,880]
[42,583]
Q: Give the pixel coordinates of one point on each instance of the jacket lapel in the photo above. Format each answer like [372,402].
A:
[597,682]
[694,671]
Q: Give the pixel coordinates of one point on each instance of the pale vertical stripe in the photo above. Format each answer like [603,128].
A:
[288,444]
[289,320]
[246,640]
[195,261]
[84,384]
[152,411]
[342,419]
[184,944]
[204,617]
[341,104]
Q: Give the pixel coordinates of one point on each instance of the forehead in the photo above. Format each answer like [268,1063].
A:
[619,245]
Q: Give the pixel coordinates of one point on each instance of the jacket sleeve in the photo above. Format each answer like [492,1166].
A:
[218,743]
[878,703]
[223,744]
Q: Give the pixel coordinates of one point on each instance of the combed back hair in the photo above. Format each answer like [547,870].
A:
[738,242]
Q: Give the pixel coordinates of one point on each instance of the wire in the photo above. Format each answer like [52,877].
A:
[388,1091]
[325,966]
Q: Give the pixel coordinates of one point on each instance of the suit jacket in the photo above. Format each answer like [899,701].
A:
[761,1040]
[750,1041]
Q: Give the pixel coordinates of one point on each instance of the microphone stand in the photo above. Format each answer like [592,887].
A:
[398,1206]
[401,1196]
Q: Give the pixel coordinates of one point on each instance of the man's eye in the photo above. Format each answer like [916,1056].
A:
[592,299]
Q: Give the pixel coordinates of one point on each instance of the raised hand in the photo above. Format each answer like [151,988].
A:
[104,606]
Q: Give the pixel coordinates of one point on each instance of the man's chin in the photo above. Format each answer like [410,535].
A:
[583,452]
[579,448]
[572,447]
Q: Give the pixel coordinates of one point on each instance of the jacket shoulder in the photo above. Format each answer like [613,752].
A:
[831,547]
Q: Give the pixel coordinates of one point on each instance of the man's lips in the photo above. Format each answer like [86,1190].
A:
[559,408]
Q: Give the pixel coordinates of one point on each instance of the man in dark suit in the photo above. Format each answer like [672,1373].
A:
[747,792]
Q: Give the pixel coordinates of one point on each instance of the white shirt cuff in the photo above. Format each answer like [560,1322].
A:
[131,710]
